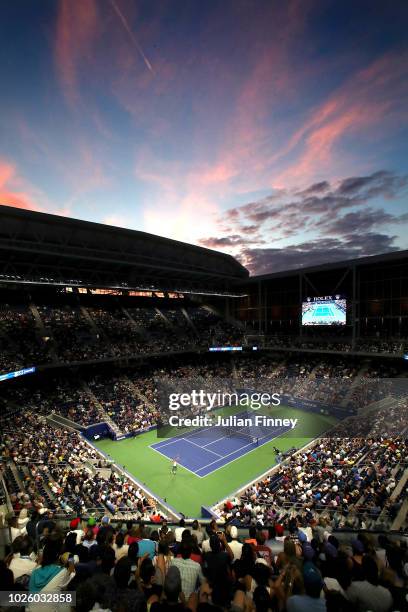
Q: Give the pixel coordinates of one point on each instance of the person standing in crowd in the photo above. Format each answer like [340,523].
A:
[51,576]
[235,545]
[190,571]
[178,532]
[23,559]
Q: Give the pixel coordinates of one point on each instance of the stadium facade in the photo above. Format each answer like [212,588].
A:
[98,313]
[375,288]
[38,250]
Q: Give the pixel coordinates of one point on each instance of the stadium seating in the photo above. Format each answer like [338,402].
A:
[315,511]
[35,335]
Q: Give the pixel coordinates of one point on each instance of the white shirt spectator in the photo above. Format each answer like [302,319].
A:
[178,532]
[21,566]
[236,548]
[367,596]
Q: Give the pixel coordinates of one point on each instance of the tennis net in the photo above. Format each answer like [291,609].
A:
[231,432]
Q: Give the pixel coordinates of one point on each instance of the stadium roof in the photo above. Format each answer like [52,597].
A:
[39,248]
[384,258]
[42,248]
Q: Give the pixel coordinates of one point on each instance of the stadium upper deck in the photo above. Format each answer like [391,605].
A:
[375,289]
[39,248]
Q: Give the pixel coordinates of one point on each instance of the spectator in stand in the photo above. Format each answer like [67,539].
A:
[51,576]
[89,538]
[252,536]
[263,551]
[368,594]
[23,559]
[235,545]
[217,561]
[190,571]
[173,600]
[275,545]
[76,528]
[311,600]
[121,549]
[147,547]
[15,529]
[127,598]
[317,575]
[197,532]
[162,561]
[179,530]
[147,579]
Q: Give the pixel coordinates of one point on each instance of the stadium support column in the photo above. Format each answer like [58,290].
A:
[353,310]
[300,303]
[260,307]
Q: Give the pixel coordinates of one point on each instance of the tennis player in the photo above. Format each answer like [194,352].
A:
[174,466]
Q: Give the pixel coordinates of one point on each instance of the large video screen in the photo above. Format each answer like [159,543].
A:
[324,311]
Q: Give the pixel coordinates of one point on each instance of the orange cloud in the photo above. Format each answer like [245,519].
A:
[10,193]
[176,195]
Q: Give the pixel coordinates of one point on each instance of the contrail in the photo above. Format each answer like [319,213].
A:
[131,34]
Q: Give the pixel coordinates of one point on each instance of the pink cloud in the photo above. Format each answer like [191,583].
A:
[11,193]
[375,96]
[77,29]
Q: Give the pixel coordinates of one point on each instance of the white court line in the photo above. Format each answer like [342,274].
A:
[214,441]
[172,441]
[202,448]
[182,437]
[186,439]
[195,433]
[222,437]
[183,466]
[221,457]
[241,430]
[238,450]
[244,455]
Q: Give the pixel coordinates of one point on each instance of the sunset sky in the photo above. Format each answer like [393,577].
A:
[273,130]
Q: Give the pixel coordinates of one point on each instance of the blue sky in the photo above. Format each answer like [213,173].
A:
[275,131]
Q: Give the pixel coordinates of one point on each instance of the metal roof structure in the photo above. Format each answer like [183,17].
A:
[370,260]
[40,248]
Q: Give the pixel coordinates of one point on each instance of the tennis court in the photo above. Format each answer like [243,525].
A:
[323,313]
[205,450]
[189,491]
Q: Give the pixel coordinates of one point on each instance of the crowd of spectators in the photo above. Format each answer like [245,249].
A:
[49,468]
[289,566]
[68,400]
[389,418]
[290,559]
[389,346]
[71,332]
[352,479]
[55,464]
[396,346]
[20,343]
[120,399]
[338,386]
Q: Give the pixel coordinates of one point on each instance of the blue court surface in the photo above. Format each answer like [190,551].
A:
[205,450]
